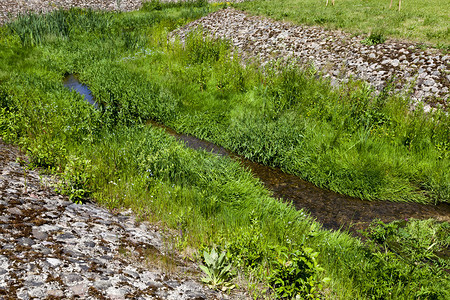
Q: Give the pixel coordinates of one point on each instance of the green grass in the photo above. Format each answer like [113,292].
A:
[420,21]
[279,117]
[345,140]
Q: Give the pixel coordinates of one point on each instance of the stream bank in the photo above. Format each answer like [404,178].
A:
[332,210]
[53,248]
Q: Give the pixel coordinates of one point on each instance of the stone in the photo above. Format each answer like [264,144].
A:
[55,293]
[69,279]
[116,293]
[25,241]
[39,234]
[14,211]
[102,284]
[54,261]
[79,289]
[429,82]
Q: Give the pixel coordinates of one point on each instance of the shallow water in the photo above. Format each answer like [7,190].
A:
[332,210]
[72,82]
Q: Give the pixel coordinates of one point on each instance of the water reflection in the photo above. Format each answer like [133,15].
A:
[73,83]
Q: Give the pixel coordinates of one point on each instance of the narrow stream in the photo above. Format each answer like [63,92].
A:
[332,210]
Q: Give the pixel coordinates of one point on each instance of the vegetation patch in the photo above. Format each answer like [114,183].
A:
[346,140]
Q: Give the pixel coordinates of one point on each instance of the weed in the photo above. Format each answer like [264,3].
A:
[374,38]
[295,275]
[217,270]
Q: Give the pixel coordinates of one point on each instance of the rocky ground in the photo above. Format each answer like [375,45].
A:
[11,8]
[424,74]
[51,248]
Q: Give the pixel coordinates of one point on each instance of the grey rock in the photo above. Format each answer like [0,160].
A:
[102,284]
[14,211]
[79,289]
[69,279]
[37,234]
[25,241]
[429,82]
[55,293]
[54,261]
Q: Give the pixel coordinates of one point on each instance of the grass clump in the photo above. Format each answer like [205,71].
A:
[346,140]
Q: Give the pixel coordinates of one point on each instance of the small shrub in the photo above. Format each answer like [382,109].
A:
[296,274]
[247,248]
[374,38]
[76,179]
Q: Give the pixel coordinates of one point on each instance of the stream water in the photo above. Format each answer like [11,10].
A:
[72,82]
[332,210]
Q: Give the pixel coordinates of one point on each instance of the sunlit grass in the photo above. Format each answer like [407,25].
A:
[421,21]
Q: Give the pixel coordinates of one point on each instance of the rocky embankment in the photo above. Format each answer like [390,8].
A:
[423,74]
[51,248]
[11,8]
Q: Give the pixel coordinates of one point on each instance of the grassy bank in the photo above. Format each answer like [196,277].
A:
[271,116]
[426,22]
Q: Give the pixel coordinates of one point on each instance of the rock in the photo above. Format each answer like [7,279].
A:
[79,290]
[429,82]
[55,293]
[69,279]
[14,211]
[24,241]
[53,261]
[37,234]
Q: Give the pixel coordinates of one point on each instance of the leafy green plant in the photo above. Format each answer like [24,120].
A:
[295,274]
[416,241]
[217,270]
[76,179]
[247,247]
[374,38]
